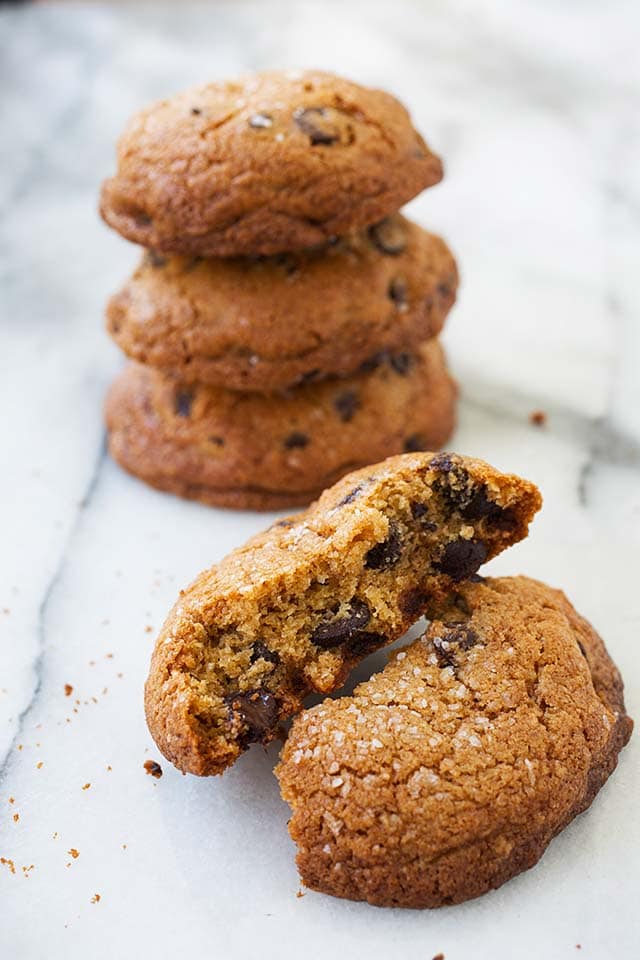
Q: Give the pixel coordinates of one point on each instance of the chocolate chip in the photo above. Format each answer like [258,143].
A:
[386,553]
[182,402]
[453,640]
[256,710]
[388,236]
[316,124]
[480,505]
[444,290]
[260,121]
[442,462]
[351,496]
[401,363]
[398,292]
[412,602]
[261,652]
[295,439]
[153,769]
[219,441]
[414,444]
[196,111]
[283,523]
[346,403]
[154,259]
[374,361]
[419,511]
[337,627]
[461,558]
[364,643]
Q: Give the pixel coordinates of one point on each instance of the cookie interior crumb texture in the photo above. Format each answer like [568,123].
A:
[293,610]
[450,771]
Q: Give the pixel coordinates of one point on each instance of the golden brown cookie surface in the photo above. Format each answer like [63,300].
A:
[266,452]
[273,162]
[450,771]
[296,607]
[266,324]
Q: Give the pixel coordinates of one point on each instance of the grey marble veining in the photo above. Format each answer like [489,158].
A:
[534,107]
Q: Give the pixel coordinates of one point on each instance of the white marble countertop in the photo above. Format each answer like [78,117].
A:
[534,106]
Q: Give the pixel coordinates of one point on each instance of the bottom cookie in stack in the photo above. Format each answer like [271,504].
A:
[267,452]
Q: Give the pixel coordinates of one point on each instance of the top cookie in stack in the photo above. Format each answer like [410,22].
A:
[277,265]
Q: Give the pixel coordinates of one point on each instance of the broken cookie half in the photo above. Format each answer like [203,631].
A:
[451,770]
[292,611]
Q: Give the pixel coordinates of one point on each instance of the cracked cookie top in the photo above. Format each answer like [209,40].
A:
[272,162]
[450,770]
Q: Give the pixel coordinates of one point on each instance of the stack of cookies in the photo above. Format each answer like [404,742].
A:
[283,321]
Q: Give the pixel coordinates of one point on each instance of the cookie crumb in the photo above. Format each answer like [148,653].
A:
[68,689]
[148,628]
[39,765]
[300,894]
[95,898]
[538,418]
[439,956]
[16,817]
[153,769]
[86,786]
[73,853]
[9,863]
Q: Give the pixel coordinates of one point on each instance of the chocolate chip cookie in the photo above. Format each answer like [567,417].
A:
[267,323]
[450,771]
[294,609]
[273,162]
[257,452]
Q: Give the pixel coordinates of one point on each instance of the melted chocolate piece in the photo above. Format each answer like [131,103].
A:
[451,641]
[461,558]
[182,402]
[401,362]
[386,553]
[260,651]
[256,710]
[365,643]
[419,511]
[398,292]
[295,439]
[315,122]
[335,628]
[346,404]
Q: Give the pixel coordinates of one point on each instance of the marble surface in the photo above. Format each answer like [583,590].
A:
[534,106]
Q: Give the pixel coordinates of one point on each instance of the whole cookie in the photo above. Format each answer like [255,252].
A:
[267,323]
[450,771]
[295,608]
[259,452]
[272,162]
